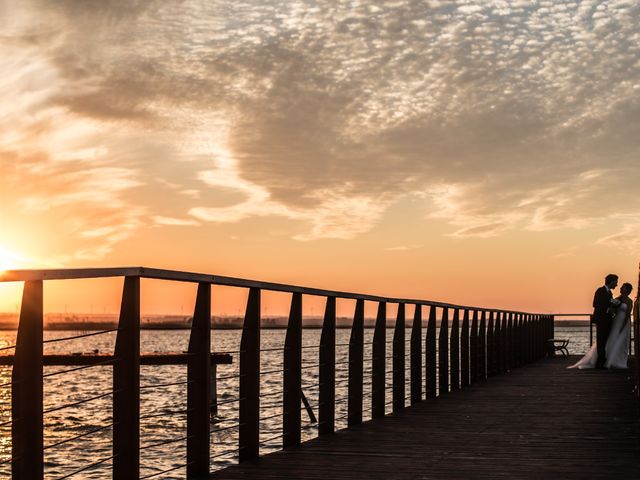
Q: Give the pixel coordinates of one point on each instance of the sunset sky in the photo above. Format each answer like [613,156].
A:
[483,152]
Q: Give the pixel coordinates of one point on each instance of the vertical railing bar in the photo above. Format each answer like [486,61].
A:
[464,350]
[356,367]
[27,447]
[482,346]
[497,341]
[292,375]
[490,347]
[416,356]
[399,360]
[504,339]
[327,377]
[126,385]
[474,352]
[199,386]
[454,351]
[431,355]
[510,342]
[378,363]
[249,430]
[443,352]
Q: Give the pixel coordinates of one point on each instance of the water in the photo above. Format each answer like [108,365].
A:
[162,407]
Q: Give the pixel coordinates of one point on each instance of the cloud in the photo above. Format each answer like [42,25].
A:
[499,115]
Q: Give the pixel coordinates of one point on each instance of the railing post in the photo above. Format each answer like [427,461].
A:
[482,346]
[378,363]
[474,351]
[520,339]
[416,356]
[497,344]
[504,342]
[490,347]
[327,377]
[527,338]
[464,350]
[454,351]
[27,448]
[249,437]
[443,353]
[510,340]
[199,386]
[356,361]
[292,375]
[126,385]
[430,355]
[398,361]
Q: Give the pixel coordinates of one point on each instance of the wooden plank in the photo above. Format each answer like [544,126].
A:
[249,438]
[454,351]
[416,356]
[126,385]
[464,351]
[431,380]
[194,277]
[356,366]
[166,358]
[292,381]
[199,386]
[327,376]
[378,362]
[443,353]
[586,427]
[27,448]
[398,360]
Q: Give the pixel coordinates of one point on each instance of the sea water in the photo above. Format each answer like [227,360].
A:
[162,407]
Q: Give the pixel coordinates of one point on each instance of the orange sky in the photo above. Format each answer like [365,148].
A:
[467,151]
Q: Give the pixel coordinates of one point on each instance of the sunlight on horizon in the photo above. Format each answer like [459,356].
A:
[11,260]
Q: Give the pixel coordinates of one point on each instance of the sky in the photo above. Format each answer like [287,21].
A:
[475,151]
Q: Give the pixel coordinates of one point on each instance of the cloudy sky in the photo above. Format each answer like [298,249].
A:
[481,151]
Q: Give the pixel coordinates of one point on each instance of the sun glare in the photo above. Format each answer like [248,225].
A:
[10,260]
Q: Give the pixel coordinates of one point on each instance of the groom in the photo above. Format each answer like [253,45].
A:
[603,315]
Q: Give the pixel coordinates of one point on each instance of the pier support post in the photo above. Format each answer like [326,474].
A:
[292,381]
[250,380]
[198,386]
[27,448]
[378,362]
[356,360]
[327,377]
[416,356]
[126,385]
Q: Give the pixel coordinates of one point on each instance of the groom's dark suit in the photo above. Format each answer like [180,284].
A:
[603,318]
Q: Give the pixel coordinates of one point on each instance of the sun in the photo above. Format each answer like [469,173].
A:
[10,260]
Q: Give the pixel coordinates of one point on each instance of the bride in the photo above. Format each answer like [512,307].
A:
[617,347]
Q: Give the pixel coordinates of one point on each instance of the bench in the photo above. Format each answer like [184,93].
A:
[558,345]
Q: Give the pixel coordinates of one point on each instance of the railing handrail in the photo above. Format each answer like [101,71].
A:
[192,277]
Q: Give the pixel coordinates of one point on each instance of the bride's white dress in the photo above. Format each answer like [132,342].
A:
[617,345]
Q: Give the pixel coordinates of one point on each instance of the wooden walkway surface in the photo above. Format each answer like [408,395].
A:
[538,422]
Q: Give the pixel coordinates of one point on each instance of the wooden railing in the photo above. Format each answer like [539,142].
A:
[473,344]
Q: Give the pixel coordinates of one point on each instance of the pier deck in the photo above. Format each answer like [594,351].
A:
[540,421]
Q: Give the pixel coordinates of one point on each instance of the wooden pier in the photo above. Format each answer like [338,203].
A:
[488,397]
[540,421]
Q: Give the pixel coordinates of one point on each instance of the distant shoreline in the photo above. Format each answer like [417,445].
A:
[96,322]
